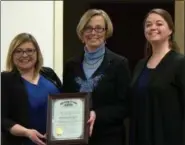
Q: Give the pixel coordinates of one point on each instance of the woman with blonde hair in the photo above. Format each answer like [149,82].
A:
[25,86]
[103,73]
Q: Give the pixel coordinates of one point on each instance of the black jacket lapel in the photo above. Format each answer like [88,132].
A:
[138,70]
[161,68]
[78,66]
[107,61]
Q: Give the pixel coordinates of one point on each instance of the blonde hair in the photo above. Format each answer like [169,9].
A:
[87,17]
[15,43]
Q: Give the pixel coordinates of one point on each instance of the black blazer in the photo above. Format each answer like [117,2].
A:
[165,101]
[15,101]
[109,97]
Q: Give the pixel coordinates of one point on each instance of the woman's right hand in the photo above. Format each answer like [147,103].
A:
[35,136]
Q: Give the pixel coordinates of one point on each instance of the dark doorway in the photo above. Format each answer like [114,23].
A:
[127,17]
[128,38]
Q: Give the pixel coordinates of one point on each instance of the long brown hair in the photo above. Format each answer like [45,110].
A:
[167,17]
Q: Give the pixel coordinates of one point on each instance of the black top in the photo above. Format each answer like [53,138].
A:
[14,104]
[109,97]
[163,116]
[140,95]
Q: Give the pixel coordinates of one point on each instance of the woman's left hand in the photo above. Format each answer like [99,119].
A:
[91,121]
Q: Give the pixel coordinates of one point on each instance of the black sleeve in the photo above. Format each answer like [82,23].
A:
[67,80]
[181,86]
[120,110]
[52,76]
[58,81]
[6,122]
[69,85]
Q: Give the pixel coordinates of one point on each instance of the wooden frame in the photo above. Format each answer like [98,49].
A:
[66,99]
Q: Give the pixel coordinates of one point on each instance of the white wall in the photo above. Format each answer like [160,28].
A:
[39,19]
[58,38]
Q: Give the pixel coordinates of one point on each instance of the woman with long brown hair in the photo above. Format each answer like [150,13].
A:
[158,87]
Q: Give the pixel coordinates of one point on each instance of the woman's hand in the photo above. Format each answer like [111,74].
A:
[91,121]
[35,136]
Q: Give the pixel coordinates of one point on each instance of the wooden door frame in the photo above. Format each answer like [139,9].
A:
[179,24]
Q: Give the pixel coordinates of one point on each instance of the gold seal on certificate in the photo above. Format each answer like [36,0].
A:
[67,118]
[59,131]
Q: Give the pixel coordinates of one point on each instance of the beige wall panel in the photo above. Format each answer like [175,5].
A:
[179,24]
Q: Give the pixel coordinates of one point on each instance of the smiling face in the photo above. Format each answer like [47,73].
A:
[94,32]
[156,28]
[25,56]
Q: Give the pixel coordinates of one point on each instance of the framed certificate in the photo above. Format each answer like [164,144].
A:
[67,118]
